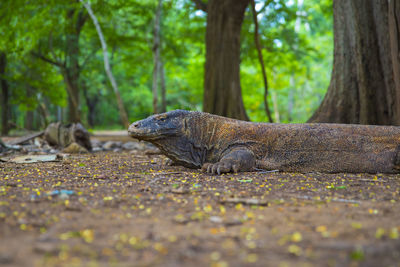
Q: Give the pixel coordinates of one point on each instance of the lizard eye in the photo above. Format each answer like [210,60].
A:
[162,119]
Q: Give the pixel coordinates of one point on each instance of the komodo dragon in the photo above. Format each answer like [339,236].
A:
[220,145]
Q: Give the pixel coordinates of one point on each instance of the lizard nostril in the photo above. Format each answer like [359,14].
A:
[132,127]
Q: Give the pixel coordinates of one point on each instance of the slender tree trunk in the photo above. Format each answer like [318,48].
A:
[4,95]
[91,103]
[44,112]
[222,90]
[29,113]
[122,112]
[261,60]
[60,114]
[163,89]
[156,56]
[291,100]
[71,71]
[275,106]
[29,120]
[364,85]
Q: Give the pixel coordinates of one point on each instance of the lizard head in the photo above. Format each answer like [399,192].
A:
[159,126]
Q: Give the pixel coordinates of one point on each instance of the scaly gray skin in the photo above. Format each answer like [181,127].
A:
[220,145]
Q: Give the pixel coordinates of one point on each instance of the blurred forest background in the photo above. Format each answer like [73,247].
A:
[48,48]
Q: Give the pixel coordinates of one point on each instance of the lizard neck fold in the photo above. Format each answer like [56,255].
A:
[191,146]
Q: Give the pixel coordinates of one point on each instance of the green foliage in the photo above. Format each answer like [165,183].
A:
[296,37]
[297,49]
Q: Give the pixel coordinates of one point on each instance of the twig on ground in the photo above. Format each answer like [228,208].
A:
[372,180]
[265,171]
[332,199]
[246,201]
[165,173]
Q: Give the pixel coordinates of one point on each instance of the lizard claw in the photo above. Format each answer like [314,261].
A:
[219,168]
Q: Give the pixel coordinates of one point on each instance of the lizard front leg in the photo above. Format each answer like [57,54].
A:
[237,160]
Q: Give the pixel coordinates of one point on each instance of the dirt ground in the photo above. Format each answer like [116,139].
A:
[130,209]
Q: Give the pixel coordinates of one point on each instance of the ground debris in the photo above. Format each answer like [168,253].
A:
[246,201]
[330,199]
[32,158]
[103,209]
[180,190]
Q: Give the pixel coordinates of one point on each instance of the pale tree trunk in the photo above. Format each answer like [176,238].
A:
[365,84]
[44,112]
[275,106]
[291,99]
[222,90]
[4,94]
[156,56]
[121,108]
[163,89]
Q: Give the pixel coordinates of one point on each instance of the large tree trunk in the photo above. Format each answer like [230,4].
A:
[4,94]
[394,33]
[222,91]
[365,85]
[69,67]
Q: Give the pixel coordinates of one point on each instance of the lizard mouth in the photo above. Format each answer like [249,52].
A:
[141,133]
[144,133]
[152,128]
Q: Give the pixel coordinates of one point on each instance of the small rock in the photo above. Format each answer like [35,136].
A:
[46,247]
[54,151]
[5,259]
[96,149]
[110,145]
[96,143]
[75,148]
[215,219]
[180,190]
[132,145]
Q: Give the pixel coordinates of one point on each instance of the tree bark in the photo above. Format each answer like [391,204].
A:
[91,103]
[29,113]
[71,69]
[122,112]
[4,94]
[394,33]
[364,85]
[222,90]
[29,120]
